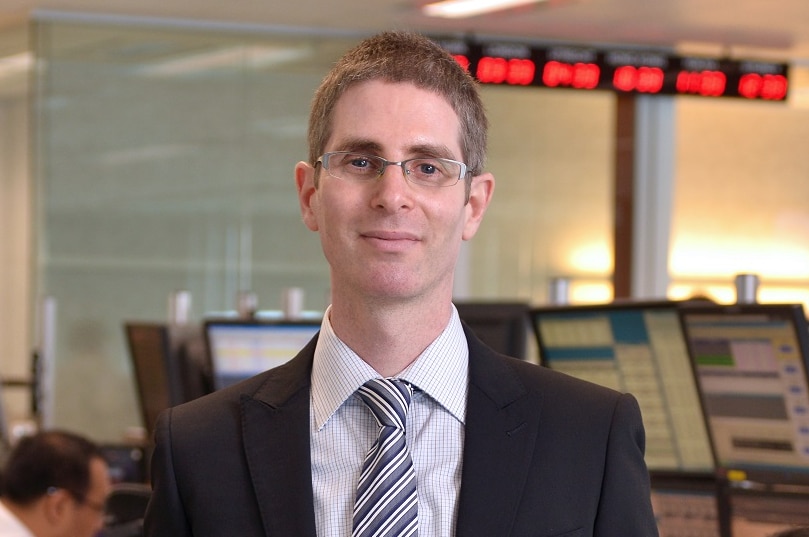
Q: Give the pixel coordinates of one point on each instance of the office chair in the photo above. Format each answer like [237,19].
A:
[126,507]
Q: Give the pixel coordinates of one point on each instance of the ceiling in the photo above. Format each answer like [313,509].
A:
[776,30]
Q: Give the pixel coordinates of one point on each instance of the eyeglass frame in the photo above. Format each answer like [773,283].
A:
[463,173]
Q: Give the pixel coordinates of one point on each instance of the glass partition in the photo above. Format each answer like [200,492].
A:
[165,162]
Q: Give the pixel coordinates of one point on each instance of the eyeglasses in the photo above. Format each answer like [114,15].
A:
[432,171]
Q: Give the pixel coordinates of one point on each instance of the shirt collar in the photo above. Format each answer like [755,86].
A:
[440,371]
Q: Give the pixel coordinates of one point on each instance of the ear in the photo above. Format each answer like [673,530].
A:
[55,506]
[307,193]
[480,194]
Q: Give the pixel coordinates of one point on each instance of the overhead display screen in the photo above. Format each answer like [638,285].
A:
[623,71]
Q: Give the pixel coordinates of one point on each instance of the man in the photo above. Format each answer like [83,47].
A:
[494,446]
[54,484]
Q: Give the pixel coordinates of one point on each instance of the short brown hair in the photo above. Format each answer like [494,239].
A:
[398,56]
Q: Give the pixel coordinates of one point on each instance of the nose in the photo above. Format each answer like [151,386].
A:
[392,191]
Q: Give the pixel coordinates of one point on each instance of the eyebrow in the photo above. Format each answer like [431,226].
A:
[362,145]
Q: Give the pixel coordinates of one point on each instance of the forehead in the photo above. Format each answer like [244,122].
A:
[394,115]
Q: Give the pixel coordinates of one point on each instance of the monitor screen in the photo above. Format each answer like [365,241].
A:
[241,349]
[750,362]
[637,348]
[503,326]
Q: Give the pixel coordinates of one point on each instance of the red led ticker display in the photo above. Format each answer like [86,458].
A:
[706,83]
[643,79]
[767,86]
[641,72]
[578,75]
[511,71]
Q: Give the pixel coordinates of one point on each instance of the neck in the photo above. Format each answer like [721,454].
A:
[388,337]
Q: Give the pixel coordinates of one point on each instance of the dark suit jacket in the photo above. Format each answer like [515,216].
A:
[545,455]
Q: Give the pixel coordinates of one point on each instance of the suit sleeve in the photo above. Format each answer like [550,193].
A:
[625,506]
[165,515]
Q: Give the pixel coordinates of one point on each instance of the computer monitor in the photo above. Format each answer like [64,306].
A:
[167,364]
[158,387]
[127,463]
[635,347]
[239,349]
[751,370]
[502,326]
[686,504]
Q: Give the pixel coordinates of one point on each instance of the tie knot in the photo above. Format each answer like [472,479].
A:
[388,400]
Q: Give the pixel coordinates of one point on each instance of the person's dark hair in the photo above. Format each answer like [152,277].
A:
[398,56]
[48,459]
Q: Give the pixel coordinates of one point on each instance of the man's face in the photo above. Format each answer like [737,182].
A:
[390,238]
[86,518]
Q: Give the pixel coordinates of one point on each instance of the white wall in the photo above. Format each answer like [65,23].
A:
[15,252]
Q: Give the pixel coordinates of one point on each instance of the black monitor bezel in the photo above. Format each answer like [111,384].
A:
[513,315]
[170,379]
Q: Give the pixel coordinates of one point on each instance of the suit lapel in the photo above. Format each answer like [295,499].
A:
[501,429]
[276,443]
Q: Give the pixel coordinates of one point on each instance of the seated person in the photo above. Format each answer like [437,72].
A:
[54,484]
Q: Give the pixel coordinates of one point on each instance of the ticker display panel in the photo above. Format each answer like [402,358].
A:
[621,70]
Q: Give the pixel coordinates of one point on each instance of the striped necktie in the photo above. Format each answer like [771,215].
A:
[386,503]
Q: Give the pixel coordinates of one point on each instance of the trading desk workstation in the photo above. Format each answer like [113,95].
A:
[723,390]
[725,400]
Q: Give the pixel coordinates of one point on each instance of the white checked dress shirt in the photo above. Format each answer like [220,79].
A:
[343,429]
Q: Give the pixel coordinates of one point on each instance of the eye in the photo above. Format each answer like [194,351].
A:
[427,168]
[361,164]
[357,161]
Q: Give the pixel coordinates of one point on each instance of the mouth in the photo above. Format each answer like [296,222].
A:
[390,241]
[390,235]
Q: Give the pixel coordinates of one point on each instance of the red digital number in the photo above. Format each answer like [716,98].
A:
[556,74]
[586,75]
[492,70]
[770,87]
[462,60]
[579,75]
[516,71]
[520,72]
[705,83]
[640,79]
